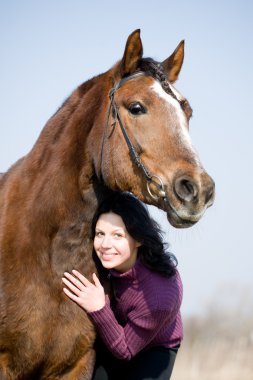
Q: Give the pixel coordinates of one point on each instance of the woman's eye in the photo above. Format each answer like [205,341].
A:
[98,233]
[136,109]
[118,235]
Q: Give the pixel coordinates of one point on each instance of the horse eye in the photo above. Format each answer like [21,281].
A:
[136,109]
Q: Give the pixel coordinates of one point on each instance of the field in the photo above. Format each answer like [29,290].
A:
[216,347]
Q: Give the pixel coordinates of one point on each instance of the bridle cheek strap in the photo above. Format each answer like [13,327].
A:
[151,179]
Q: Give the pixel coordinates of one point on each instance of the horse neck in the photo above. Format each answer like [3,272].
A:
[52,193]
[59,168]
[63,139]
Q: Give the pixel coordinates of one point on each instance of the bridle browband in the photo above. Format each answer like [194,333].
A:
[150,178]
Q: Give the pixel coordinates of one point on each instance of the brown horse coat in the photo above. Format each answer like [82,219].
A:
[48,199]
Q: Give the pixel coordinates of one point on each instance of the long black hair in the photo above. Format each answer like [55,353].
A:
[141,227]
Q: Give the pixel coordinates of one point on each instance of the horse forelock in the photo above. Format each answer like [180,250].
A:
[156,70]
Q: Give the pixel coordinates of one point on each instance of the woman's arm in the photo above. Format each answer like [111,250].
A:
[124,342]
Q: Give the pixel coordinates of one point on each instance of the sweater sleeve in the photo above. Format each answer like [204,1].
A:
[125,342]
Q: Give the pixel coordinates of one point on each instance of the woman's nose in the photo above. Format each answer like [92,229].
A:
[106,242]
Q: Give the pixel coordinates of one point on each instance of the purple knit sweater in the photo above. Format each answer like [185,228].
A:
[146,314]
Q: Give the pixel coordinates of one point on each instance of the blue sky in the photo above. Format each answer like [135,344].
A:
[50,47]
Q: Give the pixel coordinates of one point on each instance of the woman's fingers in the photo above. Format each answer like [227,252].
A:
[73,287]
[71,295]
[76,281]
[83,279]
[96,280]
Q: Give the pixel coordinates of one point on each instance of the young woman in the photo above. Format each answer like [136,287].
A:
[139,327]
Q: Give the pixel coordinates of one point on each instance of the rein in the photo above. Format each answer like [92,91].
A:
[150,178]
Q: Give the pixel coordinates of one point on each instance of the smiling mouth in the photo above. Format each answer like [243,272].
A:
[107,255]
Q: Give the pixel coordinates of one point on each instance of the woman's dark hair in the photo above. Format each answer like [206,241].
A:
[141,227]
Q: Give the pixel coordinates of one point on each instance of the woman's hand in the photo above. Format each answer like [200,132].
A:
[91,297]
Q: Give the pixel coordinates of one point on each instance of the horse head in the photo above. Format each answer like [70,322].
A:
[146,147]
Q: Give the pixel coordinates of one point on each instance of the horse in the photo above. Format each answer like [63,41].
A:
[123,130]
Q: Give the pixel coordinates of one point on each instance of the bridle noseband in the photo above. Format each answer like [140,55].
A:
[151,178]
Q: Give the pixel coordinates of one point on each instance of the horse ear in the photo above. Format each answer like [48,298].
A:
[173,64]
[133,53]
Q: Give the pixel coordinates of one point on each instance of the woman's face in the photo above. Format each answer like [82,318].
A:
[115,248]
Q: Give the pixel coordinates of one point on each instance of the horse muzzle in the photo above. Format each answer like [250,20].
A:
[186,200]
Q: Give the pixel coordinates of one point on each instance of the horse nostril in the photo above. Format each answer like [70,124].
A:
[185,188]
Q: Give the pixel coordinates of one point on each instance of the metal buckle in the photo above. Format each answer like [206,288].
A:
[160,187]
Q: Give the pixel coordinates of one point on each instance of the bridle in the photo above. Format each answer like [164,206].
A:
[113,108]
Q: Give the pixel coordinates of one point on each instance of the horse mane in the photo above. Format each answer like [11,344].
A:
[70,104]
[69,113]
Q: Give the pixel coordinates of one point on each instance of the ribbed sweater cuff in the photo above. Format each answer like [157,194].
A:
[102,316]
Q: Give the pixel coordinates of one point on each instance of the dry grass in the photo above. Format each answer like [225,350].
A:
[216,348]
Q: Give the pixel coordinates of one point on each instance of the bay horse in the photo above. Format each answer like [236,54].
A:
[124,130]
